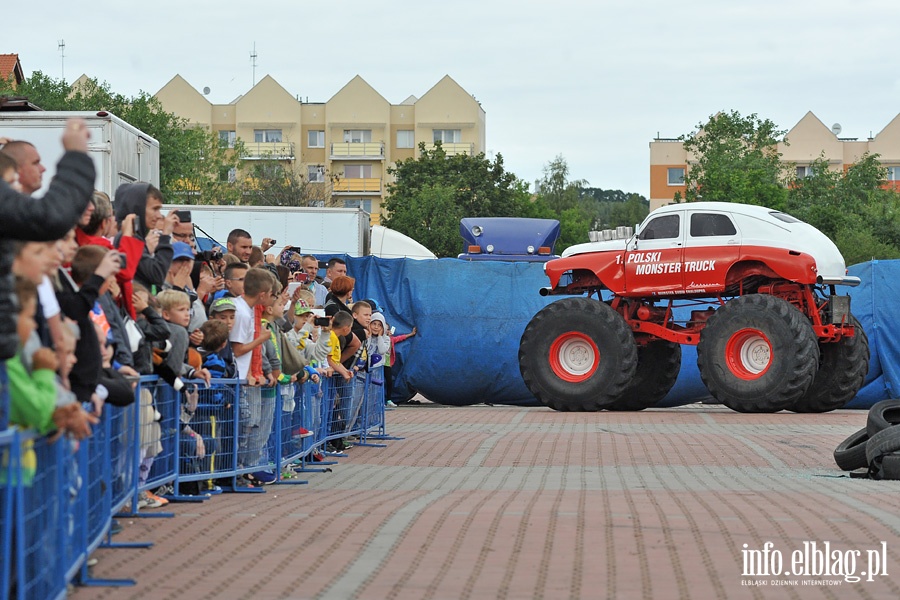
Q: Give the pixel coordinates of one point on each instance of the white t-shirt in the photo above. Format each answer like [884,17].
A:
[47,297]
[242,333]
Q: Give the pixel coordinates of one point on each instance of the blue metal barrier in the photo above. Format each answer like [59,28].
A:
[58,498]
[9,469]
[206,447]
[165,464]
[39,518]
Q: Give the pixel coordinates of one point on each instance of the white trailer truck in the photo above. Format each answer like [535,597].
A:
[315,230]
[121,152]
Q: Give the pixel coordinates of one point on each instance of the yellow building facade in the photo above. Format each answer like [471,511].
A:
[806,142]
[344,145]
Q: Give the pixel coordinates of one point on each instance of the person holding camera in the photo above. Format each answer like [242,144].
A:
[310,266]
[150,226]
[96,231]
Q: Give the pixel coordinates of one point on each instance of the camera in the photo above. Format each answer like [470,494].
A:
[209,255]
[322,322]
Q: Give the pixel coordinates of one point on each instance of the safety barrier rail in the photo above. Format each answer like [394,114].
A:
[58,497]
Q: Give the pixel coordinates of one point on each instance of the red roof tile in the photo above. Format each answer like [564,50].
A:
[9,64]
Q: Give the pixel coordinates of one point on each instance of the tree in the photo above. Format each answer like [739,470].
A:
[274,183]
[431,193]
[191,160]
[853,208]
[555,188]
[431,217]
[737,160]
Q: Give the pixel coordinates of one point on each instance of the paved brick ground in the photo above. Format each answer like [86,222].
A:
[509,502]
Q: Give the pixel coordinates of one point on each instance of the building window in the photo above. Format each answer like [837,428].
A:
[805,171]
[406,138]
[316,173]
[366,205]
[358,136]
[676,176]
[893,173]
[707,225]
[661,228]
[266,135]
[227,138]
[316,139]
[229,175]
[357,171]
[447,136]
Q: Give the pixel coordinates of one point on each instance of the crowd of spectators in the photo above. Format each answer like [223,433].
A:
[95,293]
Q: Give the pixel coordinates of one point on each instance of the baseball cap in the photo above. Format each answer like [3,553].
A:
[222,304]
[302,307]
[182,250]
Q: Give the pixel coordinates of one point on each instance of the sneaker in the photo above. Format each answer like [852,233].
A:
[318,456]
[142,500]
[115,527]
[243,482]
[153,498]
[390,404]
[301,432]
[265,477]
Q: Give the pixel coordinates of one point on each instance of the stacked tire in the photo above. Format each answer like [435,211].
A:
[876,447]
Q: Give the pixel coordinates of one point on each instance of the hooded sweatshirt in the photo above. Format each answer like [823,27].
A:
[131,198]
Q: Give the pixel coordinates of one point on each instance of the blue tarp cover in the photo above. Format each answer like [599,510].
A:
[471,315]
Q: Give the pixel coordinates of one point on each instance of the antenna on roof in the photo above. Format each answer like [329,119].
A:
[836,129]
[253,56]
[206,91]
[61,46]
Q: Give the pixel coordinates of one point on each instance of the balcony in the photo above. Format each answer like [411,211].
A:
[371,185]
[357,150]
[454,148]
[269,151]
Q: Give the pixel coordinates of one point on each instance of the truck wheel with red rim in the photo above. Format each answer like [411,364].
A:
[842,370]
[657,369]
[758,353]
[577,354]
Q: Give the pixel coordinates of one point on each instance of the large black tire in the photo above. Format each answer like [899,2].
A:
[577,354]
[842,370]
[889,468]
[851,453]
[883,442]
[758,353]
[657,369]
[882,415]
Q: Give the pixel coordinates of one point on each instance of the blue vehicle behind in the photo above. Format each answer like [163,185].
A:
[508,238]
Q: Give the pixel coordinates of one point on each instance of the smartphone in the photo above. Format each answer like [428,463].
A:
[300,277]
[184,215]
[296,249]
[137,225]
[123,263]
[322,322]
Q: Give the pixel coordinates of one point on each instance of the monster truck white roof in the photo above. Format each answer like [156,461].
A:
[755,225]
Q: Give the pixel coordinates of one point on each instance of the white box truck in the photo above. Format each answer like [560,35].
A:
[315,230]
[121,153]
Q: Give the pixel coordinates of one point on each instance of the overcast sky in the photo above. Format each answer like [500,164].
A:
[594,81]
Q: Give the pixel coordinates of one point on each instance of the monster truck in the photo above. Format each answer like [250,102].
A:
[771,333]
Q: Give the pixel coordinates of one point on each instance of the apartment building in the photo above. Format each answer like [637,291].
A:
[345,144]
[807,141]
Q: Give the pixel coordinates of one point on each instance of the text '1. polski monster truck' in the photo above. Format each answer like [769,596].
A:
[771,333]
